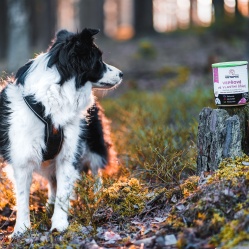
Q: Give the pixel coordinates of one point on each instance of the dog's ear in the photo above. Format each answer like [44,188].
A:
[93,31]
[88,33]
[56,46]
[62,35]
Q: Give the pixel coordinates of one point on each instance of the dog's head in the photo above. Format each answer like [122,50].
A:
[76,55]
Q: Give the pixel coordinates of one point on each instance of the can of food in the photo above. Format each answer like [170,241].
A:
[230,83]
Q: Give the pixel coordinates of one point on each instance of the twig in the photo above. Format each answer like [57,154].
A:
[7,220]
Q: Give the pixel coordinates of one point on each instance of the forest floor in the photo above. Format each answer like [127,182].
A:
[155,200]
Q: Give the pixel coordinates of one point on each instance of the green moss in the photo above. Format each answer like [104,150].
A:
[126,198]
[232,170]
[231,234]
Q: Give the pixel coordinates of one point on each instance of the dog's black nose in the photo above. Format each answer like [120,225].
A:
[121,75]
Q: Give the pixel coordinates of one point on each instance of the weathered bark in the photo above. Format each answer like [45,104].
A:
[18,42]
[222,133]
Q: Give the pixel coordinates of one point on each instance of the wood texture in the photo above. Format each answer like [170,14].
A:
[222,133]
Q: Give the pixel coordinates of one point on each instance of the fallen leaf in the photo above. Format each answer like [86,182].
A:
[146,241]
[170,240]
[159,219]
[110,235]
[10,229]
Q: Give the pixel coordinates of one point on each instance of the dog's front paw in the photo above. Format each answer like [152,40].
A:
[60,223]
[20,229]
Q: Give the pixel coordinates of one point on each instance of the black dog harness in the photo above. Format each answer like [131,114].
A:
[53,137]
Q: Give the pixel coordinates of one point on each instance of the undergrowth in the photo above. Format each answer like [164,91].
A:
[160,131]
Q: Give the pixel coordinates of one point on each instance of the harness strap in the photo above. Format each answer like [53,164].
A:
[53,137]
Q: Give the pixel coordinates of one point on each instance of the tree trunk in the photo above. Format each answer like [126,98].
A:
[219,10]
[143,17]
[3,28]
[43,19]
[91,14]
[220,19]
[18,34]
[222,133]
[247,40]
[191,13]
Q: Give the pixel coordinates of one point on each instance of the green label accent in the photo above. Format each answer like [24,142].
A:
[230,64]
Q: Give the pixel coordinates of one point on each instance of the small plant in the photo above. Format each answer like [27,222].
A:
[86,200]
[146,49]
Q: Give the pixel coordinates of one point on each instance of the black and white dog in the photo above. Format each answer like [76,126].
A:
[49,122]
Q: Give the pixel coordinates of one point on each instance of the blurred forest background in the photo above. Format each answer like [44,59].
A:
[28,26]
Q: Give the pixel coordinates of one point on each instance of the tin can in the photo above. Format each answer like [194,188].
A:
[230,83]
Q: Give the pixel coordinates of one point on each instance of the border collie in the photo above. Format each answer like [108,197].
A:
[49,122]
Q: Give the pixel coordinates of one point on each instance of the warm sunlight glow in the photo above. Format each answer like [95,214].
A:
[183,13]
[67,15]
[119,19]
[111,17]
[243,7]
[168,15]
[229,6]
[171,14]
[165,15]
[204,12]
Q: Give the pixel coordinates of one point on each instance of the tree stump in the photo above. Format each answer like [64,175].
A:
[222,133]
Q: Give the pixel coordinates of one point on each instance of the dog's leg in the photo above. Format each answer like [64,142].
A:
[95,163]
[23,178]
[66,175]
[48,171]
[52,187]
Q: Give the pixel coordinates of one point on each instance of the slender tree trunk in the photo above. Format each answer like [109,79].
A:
[43,19]
[247,40]
[91,14]
[236,8]
[219,16]
[143,17]
[219,10]
[3,28]
[18,36]
[191,12]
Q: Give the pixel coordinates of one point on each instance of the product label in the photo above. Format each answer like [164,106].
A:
[230,85]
